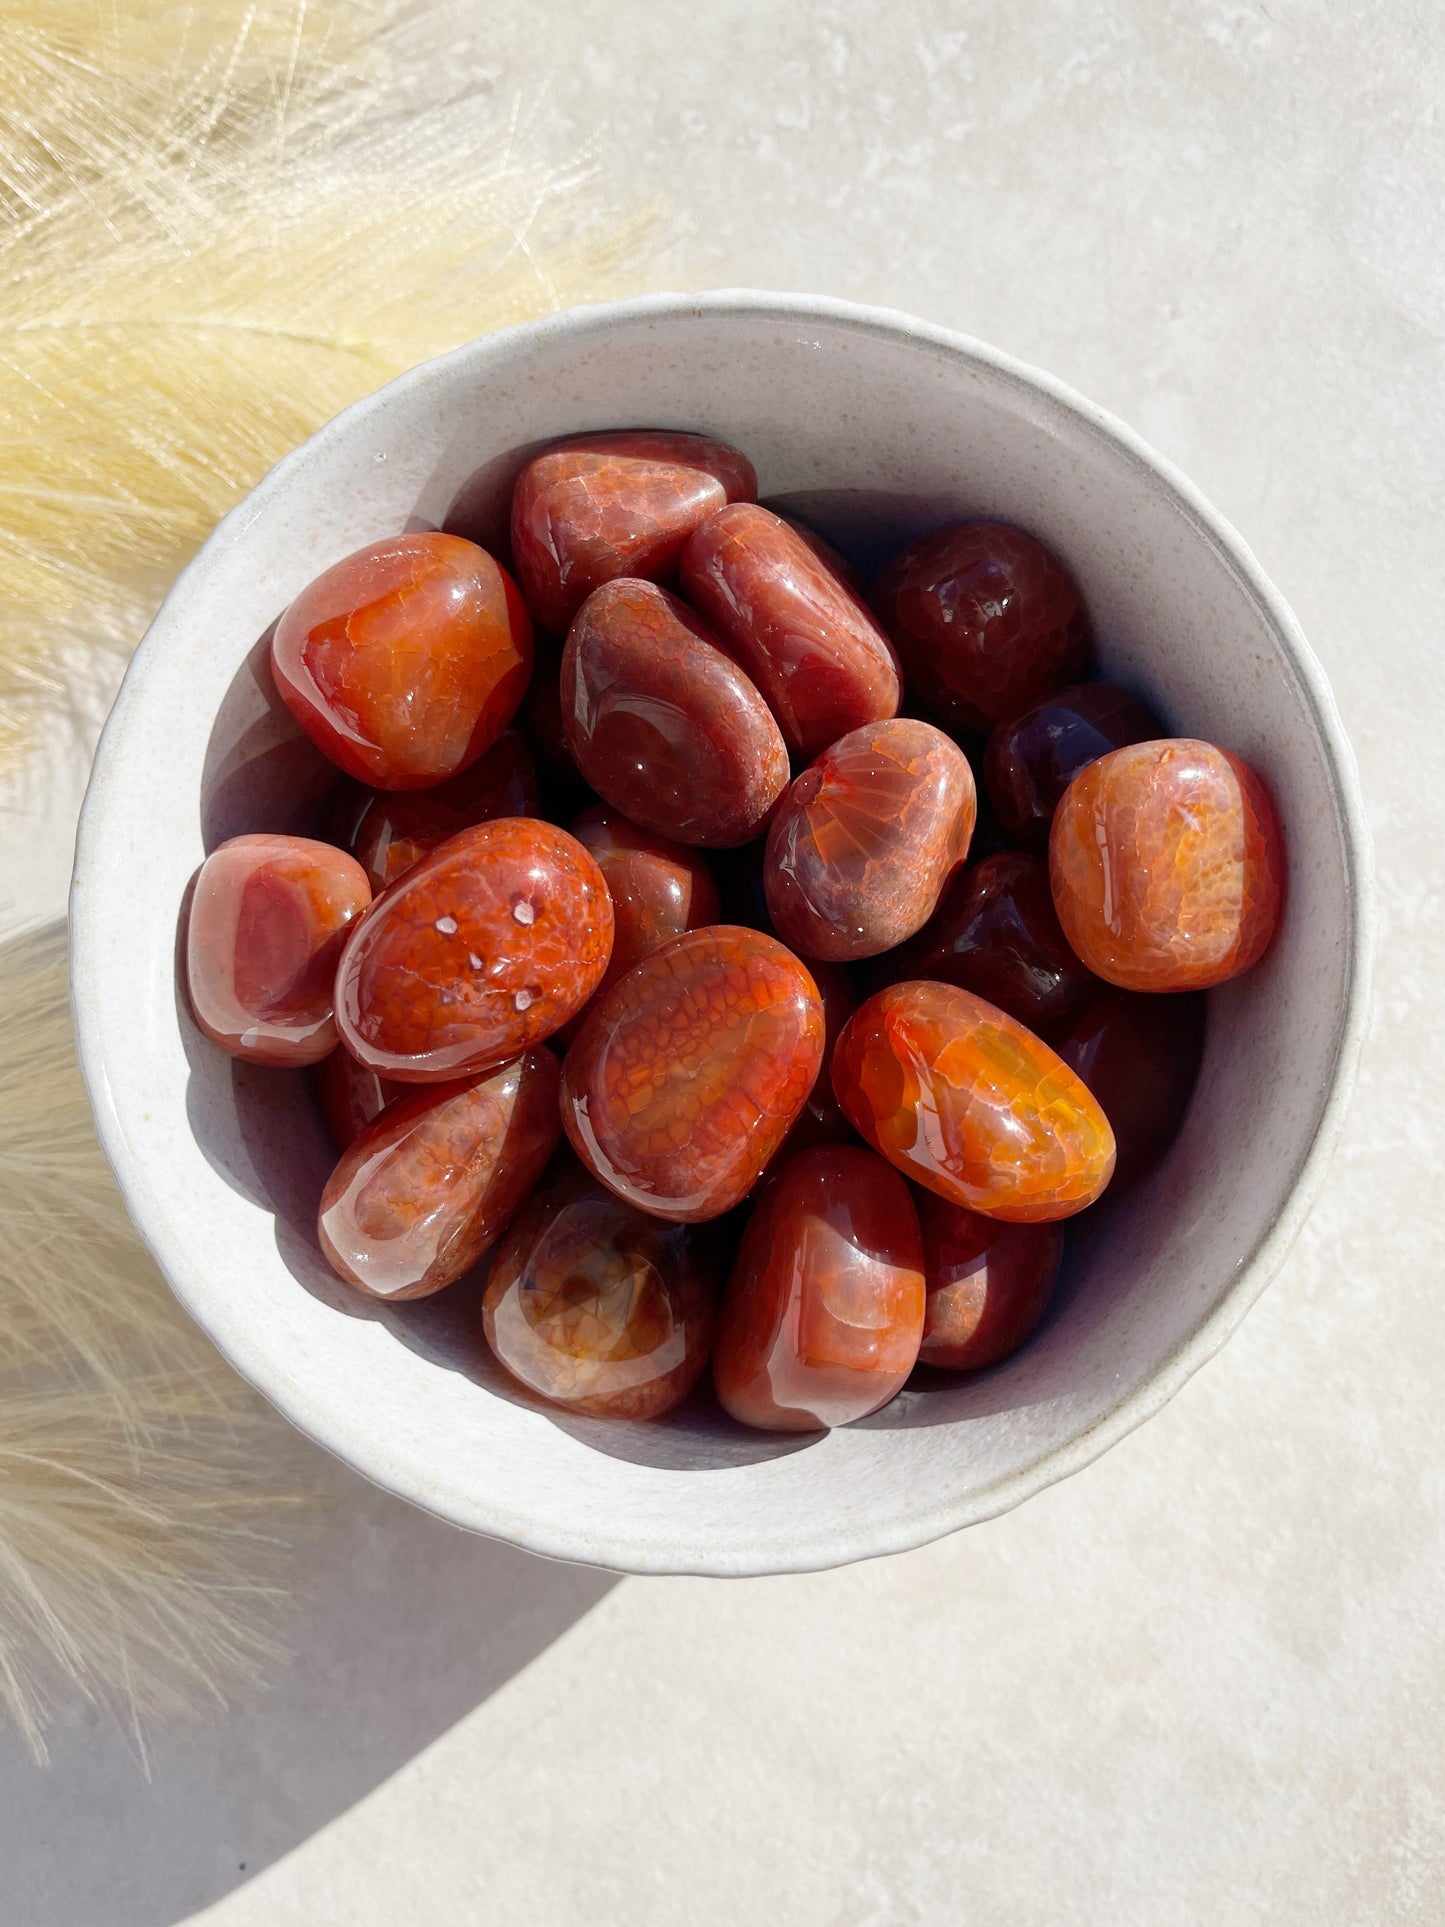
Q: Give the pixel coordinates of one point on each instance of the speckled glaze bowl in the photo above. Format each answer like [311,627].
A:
[875,428]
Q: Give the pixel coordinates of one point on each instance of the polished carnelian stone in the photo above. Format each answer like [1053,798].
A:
[1168,866]
[664,725]
[427,1187]
[406,660]
[597,507]
[486,946]
[807,641]
[1140,1057]
[1032,758]
[658,888]
[397,830]
[985,620]
[822,1315]
[970,1104]
[598,1306]
[866,838]
[268,920]
[996,933]
[691,1070]
[350,1095]
[987,1283]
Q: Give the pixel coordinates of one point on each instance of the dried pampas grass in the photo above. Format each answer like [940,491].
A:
[142,1485]
[219,223]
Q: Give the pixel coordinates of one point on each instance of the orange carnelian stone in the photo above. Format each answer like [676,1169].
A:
[822,1316]
[406,660]
[486,946]
[397,830]
[973,1106]
[866,838]
[268,919]
[350,1095]
[689,1073]
[433,1181]
[1167,864]
[596,1305]
[664,725]
[810,645]
[987,1283]
[658,888]
[985,620]
[597,507]
[995,932]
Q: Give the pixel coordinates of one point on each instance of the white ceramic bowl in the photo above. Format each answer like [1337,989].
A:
[875,428]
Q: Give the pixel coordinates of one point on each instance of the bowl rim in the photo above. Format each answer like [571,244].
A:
[928,1522]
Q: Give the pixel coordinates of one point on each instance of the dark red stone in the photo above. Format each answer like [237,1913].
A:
[1139,1055]
[988,1283]
[985,620]
[1032,758]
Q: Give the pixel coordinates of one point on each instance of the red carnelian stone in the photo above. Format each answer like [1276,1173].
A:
[658,888]
[691,1070]
[987,1284]
[985,620]
[1032,759]
[1140,1057]
[821,1319]
[433,1181]
[829,557]
[963,1099]
[597,507]
[396,831]
[483,948]
[663,724]
[821,1120]
[350,1095]
[598,1306]
[268,920]
[1168,866]
[996,933]
[866,838]
[407,660]
[807,641]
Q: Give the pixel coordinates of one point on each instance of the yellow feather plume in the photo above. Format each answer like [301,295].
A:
[218,224]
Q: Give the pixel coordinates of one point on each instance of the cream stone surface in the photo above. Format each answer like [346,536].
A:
[1202,1679]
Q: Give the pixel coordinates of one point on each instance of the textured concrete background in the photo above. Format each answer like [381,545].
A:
[1203,1680]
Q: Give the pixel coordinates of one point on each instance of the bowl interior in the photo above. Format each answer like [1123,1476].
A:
[875,430]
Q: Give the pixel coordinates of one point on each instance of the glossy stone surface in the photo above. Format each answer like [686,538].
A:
[866,838]
[823,1312]
[350,1095]
[1140,1057]
[691,1070]
[663,724]
[396,830]
[659,888]
[406,660]
[433,1181]
[596,507]
[987,1283]
[811,646]
[985,620]
[483,948]
[596,1305]
[1032,758]
[268,918]
[1168,866]
[996,933]
[971,1105]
